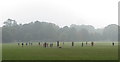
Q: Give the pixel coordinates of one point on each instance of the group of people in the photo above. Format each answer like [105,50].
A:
[30,43]
[92,44]
[45,44]
[22,44]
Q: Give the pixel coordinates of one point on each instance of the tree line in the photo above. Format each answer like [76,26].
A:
[44,31]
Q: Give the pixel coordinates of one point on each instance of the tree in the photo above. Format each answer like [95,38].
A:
[10,22]
[44,31]
[111,32]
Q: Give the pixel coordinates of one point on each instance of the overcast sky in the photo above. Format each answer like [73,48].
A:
[98,13]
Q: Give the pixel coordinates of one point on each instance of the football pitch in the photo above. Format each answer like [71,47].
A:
[100,51]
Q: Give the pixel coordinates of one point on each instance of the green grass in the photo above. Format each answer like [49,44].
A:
[0,51]
[101,51]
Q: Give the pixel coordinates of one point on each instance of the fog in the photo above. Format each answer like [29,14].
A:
[98,13]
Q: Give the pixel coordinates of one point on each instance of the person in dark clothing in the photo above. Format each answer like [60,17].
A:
[92,43]
[57,43]
[72,43]
[22,44]
[31,43]
[26,44]
[86,43]
[39,43]
[82,44]
[51,44]
[113,43]
[45,44]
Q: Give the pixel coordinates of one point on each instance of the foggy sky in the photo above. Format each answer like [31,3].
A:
[98,13]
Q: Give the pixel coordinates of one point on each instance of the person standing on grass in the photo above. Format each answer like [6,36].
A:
[31,43]
[39,43]
[113,43]
[63,43]
[57,43]
[26,44]
[51,45]
[72,43]
[82,44]
[22,44]
[92,43]
[45,44]
[86,42]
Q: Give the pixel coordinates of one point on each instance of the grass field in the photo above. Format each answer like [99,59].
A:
[100,51]
[0,51]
